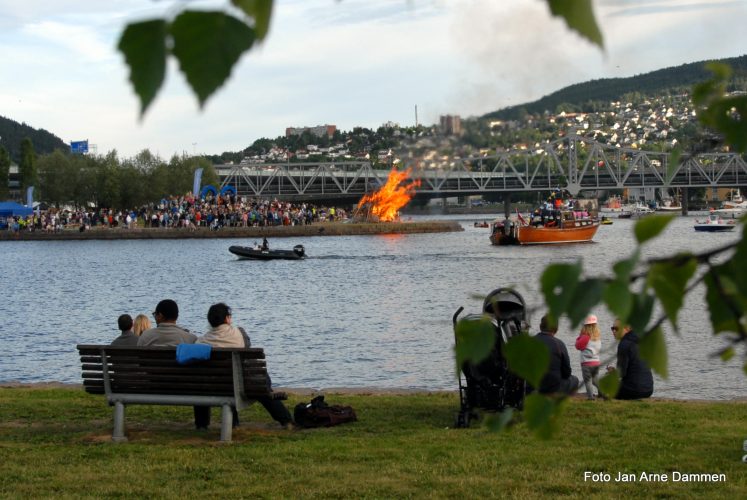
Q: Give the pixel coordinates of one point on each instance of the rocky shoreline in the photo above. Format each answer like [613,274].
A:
[322,229]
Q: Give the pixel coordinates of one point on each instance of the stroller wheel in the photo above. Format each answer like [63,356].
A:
[462,420]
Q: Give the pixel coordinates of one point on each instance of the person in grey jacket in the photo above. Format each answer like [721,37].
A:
[127,336]
[167,333]
[222,333]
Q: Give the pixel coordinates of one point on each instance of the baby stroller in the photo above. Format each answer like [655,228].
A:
[489,385]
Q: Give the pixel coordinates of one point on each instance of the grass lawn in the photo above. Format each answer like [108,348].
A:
[56,442]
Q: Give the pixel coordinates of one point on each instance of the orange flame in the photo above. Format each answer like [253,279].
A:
[387,201]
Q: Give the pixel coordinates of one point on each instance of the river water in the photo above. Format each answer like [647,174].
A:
[361,311]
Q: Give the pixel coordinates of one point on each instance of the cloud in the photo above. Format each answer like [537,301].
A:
[517,52]
[355,62]
[360,12]
[633,8]
[80,42]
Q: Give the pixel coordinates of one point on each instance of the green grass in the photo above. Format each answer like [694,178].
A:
[56,442]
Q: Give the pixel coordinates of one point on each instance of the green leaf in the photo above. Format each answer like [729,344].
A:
[744,368]
[738,272]
[643,307]
[260,11]
[727,354]
[610,384]
[728,115]
[653,350]
[207,45]
[588,293]
[617,293]
[720,292]
[497,422]
[674,161]
[528,358]
[144,47]
[720,111]
[618,298]
[650,227]
[579,16]
[542,414]
[624,268]
[669,281]
[474,340]
[559,282]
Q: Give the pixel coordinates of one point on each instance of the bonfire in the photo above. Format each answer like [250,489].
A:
[384,204]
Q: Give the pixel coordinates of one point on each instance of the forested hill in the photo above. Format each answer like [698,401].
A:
[12,133]
[660,82]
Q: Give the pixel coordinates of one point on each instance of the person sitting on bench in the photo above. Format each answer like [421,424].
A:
[127,336]
[167,333]
[223,334]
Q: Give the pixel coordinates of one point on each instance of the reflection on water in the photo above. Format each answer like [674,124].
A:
[360,311]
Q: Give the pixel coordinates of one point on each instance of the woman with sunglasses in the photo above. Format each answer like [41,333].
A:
[636,379]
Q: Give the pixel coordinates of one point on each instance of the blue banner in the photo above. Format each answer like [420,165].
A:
[197,181]
[79,147]
[30,197]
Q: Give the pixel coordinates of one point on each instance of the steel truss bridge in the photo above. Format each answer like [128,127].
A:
[573,163]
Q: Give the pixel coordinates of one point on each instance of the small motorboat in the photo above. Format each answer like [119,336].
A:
[715,224]
[606,221]
[257,253]
[482,224]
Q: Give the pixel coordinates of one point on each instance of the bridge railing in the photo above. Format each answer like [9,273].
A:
[573,163]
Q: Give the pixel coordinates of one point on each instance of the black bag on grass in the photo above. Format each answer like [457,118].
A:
[320,414]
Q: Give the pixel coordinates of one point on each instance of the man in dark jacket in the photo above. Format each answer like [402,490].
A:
[558,377]
[127,337]
[636,380]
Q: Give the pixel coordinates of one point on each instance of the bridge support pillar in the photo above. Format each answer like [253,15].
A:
[684,200]
[507,205]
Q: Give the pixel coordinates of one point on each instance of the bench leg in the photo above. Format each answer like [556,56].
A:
[118,435]
[226,423]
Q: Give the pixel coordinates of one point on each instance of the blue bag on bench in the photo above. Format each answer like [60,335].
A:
[192,353]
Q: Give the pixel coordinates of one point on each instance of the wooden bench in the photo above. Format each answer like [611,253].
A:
[231,378]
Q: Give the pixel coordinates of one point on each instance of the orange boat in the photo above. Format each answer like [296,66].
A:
[566,227]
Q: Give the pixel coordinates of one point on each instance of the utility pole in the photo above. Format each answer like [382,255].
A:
[416,116]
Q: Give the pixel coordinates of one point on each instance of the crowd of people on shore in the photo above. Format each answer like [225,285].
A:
[186,212]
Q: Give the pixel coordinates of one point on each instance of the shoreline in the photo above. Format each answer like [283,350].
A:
[321,229]
[357,391]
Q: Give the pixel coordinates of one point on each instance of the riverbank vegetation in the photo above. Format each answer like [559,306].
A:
[56,442]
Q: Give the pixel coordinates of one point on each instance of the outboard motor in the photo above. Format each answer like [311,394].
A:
[299,250]
[489,385]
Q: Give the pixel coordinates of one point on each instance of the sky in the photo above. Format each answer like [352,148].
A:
[348,63]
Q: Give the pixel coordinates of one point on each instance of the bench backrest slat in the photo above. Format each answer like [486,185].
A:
[154,370]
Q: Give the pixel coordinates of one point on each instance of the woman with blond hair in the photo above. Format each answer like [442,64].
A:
[141,324]
[589,342]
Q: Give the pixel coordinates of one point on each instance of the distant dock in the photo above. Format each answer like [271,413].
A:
[320,229]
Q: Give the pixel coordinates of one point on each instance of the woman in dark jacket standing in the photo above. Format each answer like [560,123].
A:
[636,380]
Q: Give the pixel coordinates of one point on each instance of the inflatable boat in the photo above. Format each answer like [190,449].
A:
[297,253]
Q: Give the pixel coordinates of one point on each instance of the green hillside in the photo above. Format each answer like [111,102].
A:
[666,81]
[12,133]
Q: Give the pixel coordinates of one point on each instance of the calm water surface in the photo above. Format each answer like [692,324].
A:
[361,311]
